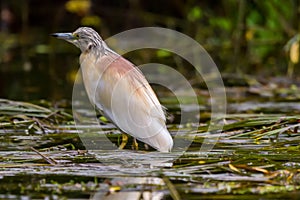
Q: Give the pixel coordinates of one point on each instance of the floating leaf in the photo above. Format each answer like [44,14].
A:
[233,168]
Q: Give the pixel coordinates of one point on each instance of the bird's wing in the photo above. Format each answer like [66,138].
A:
[126,97]
[121,92]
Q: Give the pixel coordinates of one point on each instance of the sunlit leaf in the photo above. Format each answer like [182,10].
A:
[222,23]
[103,119]
[74,75]
[163,53]
[78,6]
[294,52]
[201,162]
[91,20]
[249,34]
[114,189]
[233,168]
[195,14]
[260,170]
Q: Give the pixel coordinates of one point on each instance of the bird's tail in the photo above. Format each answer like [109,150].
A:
[162,141]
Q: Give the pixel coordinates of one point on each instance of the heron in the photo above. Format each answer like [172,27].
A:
[119,90]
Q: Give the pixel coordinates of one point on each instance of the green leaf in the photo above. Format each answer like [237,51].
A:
[163,53]
[195,14]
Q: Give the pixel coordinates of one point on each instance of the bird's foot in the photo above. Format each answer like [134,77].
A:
[135,145]
[124,141]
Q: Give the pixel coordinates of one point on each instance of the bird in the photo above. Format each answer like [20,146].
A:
[119,90]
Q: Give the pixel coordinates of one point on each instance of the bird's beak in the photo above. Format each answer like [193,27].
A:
[64,36]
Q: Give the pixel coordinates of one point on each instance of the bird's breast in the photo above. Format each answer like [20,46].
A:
[100,76]
[122,93]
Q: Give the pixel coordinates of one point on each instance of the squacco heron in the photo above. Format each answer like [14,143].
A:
[119,90]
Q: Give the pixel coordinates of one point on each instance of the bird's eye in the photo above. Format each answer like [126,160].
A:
[76,35]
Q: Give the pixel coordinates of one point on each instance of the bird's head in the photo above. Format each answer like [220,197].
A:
[85,38]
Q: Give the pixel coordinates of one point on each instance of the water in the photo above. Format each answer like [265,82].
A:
[239,164]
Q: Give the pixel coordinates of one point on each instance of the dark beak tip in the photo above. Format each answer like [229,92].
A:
[54,34]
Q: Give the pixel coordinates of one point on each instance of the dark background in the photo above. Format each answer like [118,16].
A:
[244,37]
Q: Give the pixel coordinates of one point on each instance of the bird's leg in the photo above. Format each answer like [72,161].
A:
[124,141]
[135,144]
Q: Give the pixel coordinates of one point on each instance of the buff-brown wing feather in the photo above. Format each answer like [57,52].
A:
[126,98]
